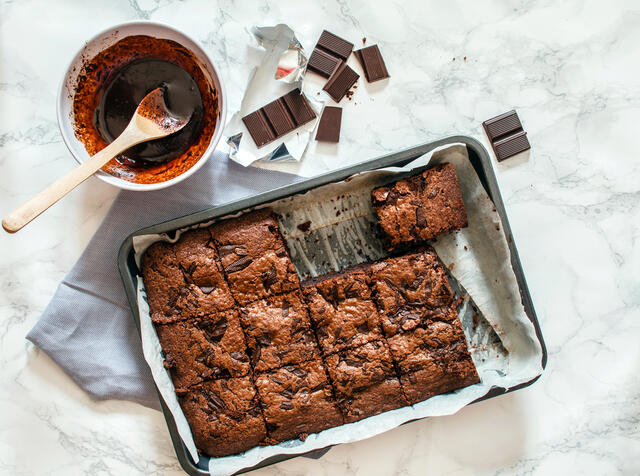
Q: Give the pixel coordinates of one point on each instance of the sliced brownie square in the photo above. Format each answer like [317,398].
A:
[411,291]
[204,348]
[297,400]
[418,208]
[184,279]
[278,332]
[433,360]
[254,257]
[224,416]
[342,309]
[364,380]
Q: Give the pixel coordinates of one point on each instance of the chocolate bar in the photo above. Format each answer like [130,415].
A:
[322,62]
[506,135]
[328,52]
[372,63]
[278,118]
[340,81]
[329,125]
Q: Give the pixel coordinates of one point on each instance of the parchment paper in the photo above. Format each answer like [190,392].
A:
[501,338]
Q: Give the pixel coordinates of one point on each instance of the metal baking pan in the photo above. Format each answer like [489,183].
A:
[481,163]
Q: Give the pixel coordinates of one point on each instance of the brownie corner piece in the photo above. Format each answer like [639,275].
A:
[419,208]
[297,400]
[412,290]
[433,360]
[224,416]
[370,401]
[183,280]
[254,257]
[435,379]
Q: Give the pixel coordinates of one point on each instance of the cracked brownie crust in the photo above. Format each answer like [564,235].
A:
[342,309]
[184,280]
[278,332]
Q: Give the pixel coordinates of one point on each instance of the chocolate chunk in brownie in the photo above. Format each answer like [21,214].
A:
[411,291]
[254,257]
[420,207]
[297,401]
[224,416]
[342,309]
[204,348]
[364,380]
[184,280]
[278,332]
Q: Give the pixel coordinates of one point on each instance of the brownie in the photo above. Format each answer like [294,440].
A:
[365,381]
[342,309]
[278,331]
[442,371]
[297,400]
[411,291]
[433,360]
[184,280]
[204,348]
[254,257]
[224,416]
[420,207]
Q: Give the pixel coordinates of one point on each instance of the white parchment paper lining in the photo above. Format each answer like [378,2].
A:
[478,258]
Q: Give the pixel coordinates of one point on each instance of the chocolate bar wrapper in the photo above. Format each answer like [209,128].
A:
[279,64]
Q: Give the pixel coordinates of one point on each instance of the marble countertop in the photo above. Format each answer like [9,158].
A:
[569,68]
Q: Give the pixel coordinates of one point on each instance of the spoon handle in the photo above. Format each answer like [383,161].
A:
[29,210]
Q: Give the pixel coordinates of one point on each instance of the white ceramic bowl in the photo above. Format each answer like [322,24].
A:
[102,41]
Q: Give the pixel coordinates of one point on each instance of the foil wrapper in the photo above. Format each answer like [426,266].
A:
[280,67]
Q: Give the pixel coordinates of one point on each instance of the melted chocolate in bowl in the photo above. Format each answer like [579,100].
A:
[130,85]
[111,85]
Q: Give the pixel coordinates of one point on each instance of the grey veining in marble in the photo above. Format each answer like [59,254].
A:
[571,70]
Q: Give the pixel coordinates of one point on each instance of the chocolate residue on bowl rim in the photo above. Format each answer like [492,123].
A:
[97,72]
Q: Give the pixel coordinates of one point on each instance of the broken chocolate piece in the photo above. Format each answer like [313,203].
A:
[335,45]
[511,145]
[322,62]
[329,126]
[506,135]
[372,63]
[340,82]
[328,53]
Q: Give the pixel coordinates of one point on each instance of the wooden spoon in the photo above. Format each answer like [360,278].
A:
[151,121]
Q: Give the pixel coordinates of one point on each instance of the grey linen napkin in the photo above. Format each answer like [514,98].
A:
[87,328]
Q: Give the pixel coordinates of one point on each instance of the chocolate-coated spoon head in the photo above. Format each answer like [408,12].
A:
[154,119]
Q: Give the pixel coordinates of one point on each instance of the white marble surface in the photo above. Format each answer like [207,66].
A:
[570,69]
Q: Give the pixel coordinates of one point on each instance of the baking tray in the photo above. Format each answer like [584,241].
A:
[479,158]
